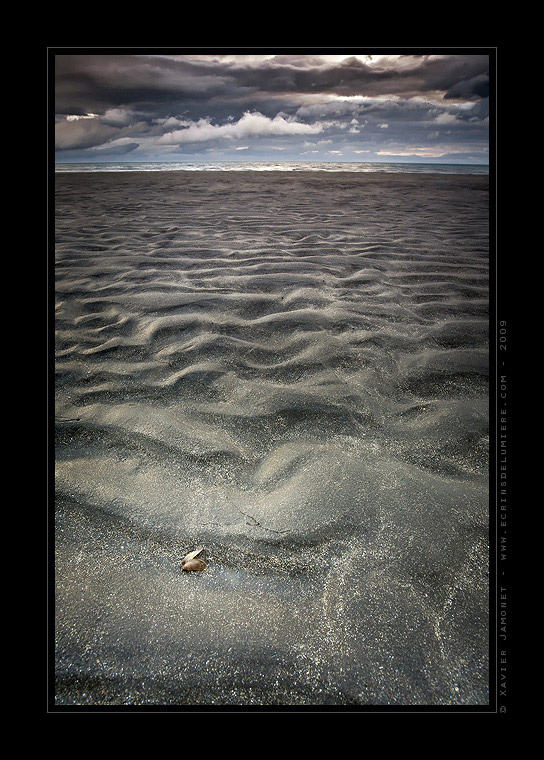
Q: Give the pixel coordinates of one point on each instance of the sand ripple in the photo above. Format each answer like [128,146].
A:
[296,366]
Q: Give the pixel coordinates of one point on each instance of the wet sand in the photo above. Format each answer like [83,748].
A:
[290,370]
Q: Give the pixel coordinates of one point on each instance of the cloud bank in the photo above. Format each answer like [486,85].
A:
[250,124]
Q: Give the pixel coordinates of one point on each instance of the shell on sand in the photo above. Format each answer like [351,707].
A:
[194,561]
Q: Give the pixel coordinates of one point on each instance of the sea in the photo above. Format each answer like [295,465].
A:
[271,166]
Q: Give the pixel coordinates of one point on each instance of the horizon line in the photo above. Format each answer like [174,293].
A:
[270,161]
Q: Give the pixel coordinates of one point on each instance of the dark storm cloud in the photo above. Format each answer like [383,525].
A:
[355,77]
[99,82]
[468,88]
[82,133]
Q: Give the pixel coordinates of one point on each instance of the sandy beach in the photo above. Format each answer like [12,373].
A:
[289,369]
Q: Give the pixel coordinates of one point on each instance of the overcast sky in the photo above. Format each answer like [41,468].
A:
[272,107]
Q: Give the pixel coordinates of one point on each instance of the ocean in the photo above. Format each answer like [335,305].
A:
[291,166]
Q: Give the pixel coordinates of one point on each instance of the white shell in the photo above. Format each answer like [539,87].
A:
[193,555]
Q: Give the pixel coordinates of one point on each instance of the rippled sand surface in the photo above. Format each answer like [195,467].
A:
[290,370]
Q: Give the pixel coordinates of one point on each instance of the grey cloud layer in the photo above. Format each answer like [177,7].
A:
[155,104]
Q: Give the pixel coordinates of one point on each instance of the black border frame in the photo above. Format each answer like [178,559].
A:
[501,588]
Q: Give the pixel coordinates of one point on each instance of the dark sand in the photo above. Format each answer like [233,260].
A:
[291,370]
